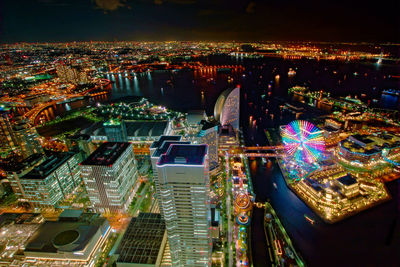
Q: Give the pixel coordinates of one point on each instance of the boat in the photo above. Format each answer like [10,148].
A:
[391,92]
[276,187]
[309,219]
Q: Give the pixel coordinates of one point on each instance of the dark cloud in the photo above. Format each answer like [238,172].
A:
[68,20]
[109,5]
[251,7]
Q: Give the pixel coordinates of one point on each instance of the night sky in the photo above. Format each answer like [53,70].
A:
[219,20]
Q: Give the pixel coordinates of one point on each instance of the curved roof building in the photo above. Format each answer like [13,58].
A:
[227,108]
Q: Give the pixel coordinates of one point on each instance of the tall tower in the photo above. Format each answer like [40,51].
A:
[17,136]
[155,156]
[8,140]
[27,137]
[184,198]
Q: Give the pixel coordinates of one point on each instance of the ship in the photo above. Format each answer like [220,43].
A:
[391,92]
[309,219]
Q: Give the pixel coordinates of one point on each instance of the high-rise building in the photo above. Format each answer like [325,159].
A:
[155,156]
[8,141]
[109,174]
[27,137]
[50,182]
[17,136]
[16,169]
[115,130]
[184,198]
[227,108]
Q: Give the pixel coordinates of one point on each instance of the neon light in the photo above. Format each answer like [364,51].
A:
[303,141]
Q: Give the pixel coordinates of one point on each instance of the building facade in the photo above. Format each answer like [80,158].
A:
[109,174]
[52,181]
[184,196]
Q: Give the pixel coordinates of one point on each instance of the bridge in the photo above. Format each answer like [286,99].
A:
[34,112]
[256,152]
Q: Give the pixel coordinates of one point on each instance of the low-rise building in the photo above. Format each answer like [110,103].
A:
[143,242]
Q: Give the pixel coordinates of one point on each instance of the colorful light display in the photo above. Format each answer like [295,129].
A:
[303,141]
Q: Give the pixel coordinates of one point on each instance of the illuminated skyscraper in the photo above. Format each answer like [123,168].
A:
[8,141]
[184,197]
[17,136]
[109,174]
[26,137]
[227,108]
[157,149]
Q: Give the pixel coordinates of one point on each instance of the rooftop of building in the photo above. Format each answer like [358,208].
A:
[66,236]
[17,166]
[19,218]
[70,214]
[347,180]
[145,128]
[133,128]
[48,166]
[112,122]
[329,128]
[362,138]
[163,138]
[184,154]
[106,154]
[165,146]
[194,117]
[142,240]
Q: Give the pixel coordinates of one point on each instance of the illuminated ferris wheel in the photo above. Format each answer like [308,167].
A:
[303,141]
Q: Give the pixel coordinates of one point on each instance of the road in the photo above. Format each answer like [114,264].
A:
[228,208]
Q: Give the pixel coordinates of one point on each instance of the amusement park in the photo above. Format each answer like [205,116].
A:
[318,175]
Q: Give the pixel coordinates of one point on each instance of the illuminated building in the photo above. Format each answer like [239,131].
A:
[369,149]
[215,223]
[184,197]
[72,240]
[227,138]
[17,136]
[49,183]
[143,242]
[209,136]
[136,132]
[17,169]
[348,186]
[69,74]
[157,149]
[227,108]
[27,137]
[7,137]
[115,130]
[109,174]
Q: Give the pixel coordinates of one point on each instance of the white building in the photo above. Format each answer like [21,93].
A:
[157,149]
[183,193]
[109,174]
